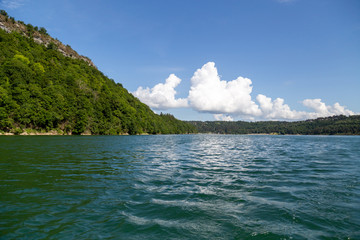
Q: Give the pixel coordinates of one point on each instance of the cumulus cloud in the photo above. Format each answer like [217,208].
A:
[208,93]
[227,100]
[322,110]
[162,96]
[222,117]
[277,109]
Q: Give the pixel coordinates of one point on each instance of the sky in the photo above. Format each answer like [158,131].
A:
[216,60]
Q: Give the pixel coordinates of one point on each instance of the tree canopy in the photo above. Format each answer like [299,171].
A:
[329,126]
[42,90]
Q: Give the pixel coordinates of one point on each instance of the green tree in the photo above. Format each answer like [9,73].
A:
[43,31]
[4,13]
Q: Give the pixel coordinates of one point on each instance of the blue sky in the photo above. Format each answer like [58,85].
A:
[230,59]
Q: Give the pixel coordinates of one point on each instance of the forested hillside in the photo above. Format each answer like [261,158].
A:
[328,126]
[43,89]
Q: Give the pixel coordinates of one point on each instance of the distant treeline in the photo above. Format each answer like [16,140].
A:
[322,126]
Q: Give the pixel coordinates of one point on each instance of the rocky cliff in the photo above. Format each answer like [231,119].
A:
[39,35]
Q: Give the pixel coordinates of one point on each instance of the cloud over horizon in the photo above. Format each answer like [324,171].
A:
[208,93]
[229,99]
[162,96]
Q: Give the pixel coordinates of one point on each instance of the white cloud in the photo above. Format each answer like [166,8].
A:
[230,99]
[222,117]
[208,93]
[322,110]
[162,96]
[277,109]
[316,105]
[12,4]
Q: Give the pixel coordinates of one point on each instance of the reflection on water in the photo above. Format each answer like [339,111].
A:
[179,187]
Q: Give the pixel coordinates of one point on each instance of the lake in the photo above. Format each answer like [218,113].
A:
[180,187]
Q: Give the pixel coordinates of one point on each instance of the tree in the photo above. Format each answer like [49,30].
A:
[30,29]
[43,31]
[52,46]
[4,13]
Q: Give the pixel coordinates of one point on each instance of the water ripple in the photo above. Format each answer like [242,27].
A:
[180,187]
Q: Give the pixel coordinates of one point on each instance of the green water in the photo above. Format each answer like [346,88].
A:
[180,187]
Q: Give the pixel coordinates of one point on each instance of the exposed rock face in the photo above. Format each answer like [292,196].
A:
[3,27]
[10,25]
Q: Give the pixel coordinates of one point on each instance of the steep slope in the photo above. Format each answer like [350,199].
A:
[39,35]
[44,89]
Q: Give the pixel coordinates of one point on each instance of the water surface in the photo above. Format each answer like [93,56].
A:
[180,187]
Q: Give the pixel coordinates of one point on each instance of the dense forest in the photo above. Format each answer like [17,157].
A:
[327,126]
[42,89]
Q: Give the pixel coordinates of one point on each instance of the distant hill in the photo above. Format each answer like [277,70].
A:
[327,126]
[47,86]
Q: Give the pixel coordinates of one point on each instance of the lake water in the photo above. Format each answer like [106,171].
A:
[180,187]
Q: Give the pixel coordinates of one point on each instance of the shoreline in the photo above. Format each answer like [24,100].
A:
[53,133]
[56,133]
